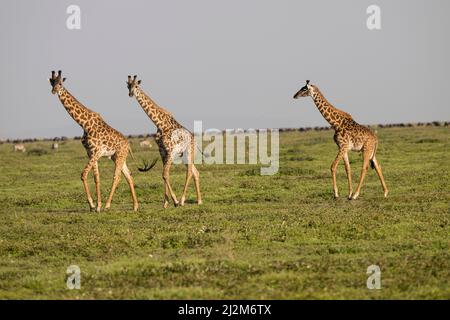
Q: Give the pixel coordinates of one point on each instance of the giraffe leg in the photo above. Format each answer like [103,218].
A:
[127,173]
[166,178]
[186,183]
[197,184]
[189,172]
[164,158]
[333,171]
[166,189]
[97,186]
[380,175]
[366,158]
[84,176]
[349,175]
[119,160]
[166,196]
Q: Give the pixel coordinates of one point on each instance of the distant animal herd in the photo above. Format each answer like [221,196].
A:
[20,146]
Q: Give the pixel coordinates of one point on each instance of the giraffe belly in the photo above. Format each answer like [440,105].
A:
[181,140]
[355,146]
[107,152]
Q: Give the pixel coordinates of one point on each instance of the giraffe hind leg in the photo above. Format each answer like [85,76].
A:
[186,183]
[119,160]
[197,184]
[127,174]
[191,171]
[348,171]
[333,171]
[377,168]
[166,196]
[166,178]
[366,159]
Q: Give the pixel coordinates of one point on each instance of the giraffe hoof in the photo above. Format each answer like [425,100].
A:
[165,205]
[176,204]
[355,196]
[349,196]
[336,196]
[135,208]
[199,202]
[386,193]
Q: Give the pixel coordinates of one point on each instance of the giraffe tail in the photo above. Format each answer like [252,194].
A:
[372,164]
[147,166]
[206,155]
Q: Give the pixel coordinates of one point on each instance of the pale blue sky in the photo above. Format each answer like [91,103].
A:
[231,64]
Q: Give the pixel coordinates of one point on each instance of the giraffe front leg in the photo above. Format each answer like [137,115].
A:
[366,158]
[164,158]
[349,175]
[333,171]
[166,178]
[97,186]
[84,176]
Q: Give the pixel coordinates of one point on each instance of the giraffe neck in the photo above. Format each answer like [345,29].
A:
[332,115]
[82,115]
[158,115]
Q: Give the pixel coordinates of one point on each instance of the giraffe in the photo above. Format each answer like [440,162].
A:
[349,135]
[99,140]
[172,139]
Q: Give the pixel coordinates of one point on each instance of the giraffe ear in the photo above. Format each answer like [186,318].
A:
[139,82]
[307,81]
[64,79]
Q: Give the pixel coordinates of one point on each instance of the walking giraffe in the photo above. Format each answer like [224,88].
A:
[172,139]
[349,135]
[99,140]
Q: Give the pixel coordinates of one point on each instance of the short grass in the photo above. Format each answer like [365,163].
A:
[255,237]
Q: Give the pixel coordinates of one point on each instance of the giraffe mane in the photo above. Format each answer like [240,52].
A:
[342,113]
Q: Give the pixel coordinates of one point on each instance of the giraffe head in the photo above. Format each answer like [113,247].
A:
[132,84]
[56,81]
[304,91]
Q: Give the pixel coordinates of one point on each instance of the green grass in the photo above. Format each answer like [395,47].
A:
[255,237]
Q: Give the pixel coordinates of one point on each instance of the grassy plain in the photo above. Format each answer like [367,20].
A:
[255,237]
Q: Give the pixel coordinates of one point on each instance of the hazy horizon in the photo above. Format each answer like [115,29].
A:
[233,64]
